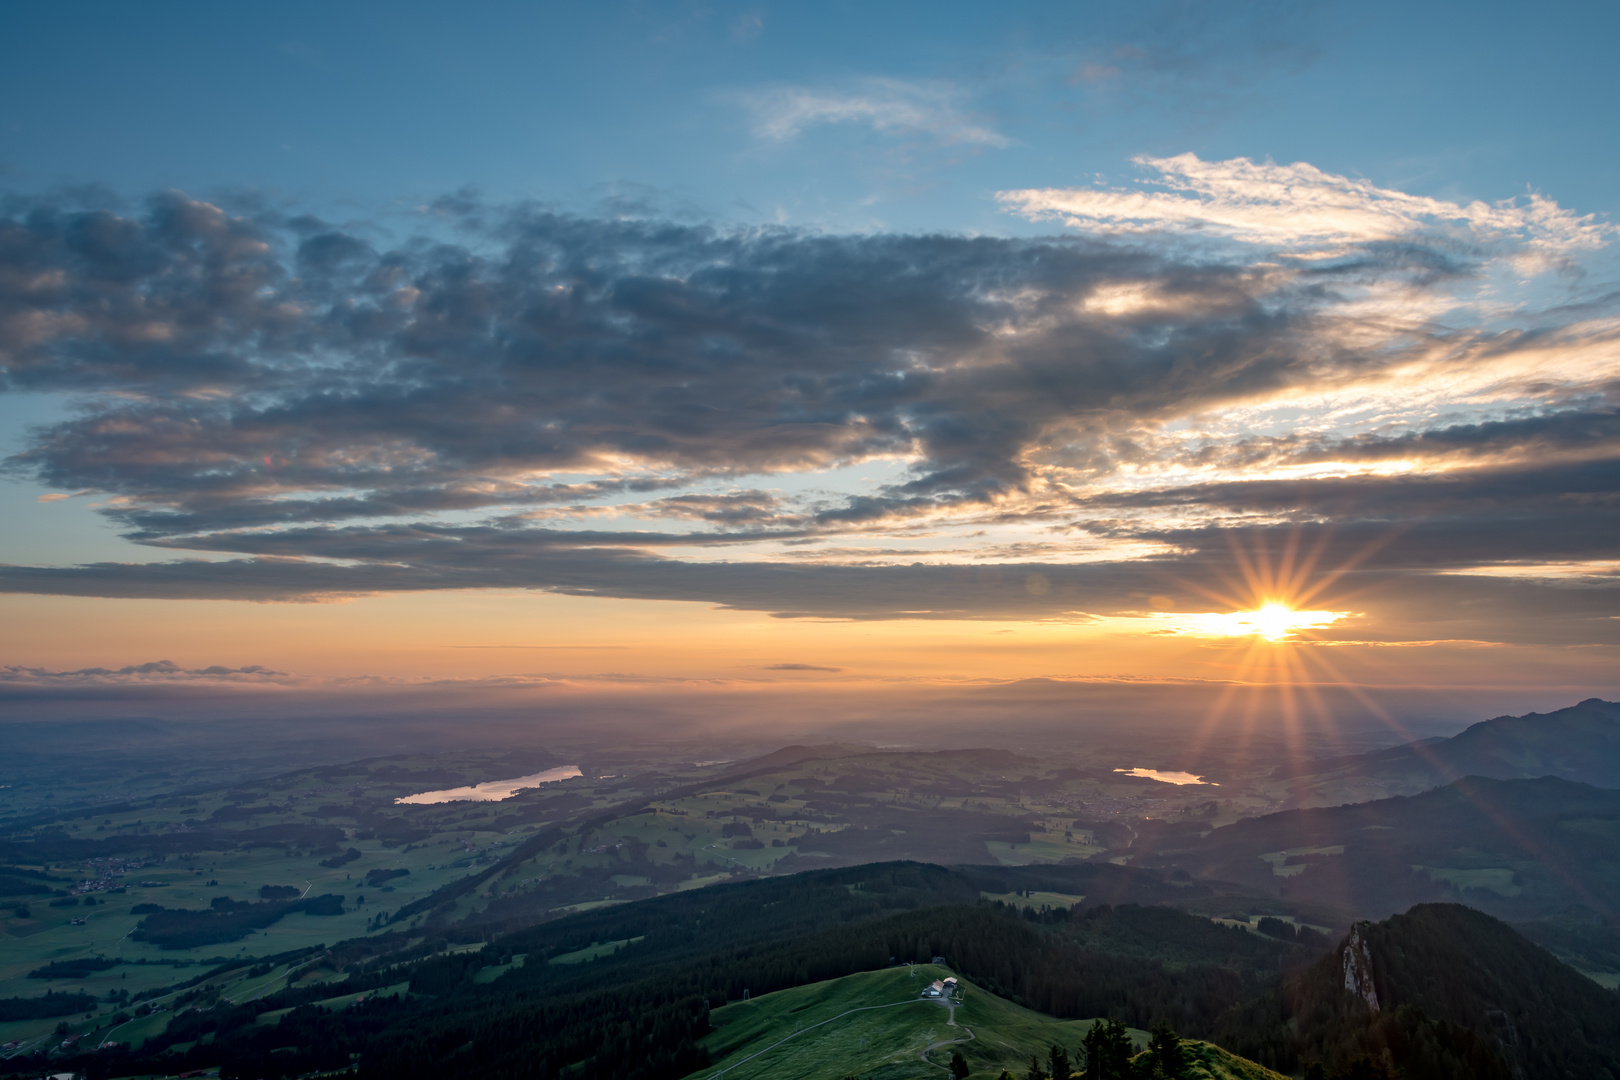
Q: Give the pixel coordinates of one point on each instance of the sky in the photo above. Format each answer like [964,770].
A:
[794,349]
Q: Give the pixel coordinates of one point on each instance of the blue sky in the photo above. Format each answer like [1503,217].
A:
[575,104]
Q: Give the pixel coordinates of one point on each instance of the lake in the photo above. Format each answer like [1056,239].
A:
[1166,777]
[493,790]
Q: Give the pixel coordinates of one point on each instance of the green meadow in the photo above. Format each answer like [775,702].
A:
[874,1026]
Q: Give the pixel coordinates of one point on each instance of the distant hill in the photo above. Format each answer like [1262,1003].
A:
[792,755]
[1582,939]
[1520,849]
[1441,991]
[1580,743]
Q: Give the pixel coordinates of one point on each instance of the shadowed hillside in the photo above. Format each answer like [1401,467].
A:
[1443,991]
[1520,849]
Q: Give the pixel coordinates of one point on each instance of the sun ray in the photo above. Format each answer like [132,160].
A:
[1278,598]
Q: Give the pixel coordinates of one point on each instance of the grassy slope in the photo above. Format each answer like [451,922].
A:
[884,1043]
[1206,1061]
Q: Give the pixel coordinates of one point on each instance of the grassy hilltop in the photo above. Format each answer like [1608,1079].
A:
[873,1025]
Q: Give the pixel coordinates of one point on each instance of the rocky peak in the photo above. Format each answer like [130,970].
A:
[1358,974]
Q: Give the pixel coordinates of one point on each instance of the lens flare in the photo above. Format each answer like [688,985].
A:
[1272,621]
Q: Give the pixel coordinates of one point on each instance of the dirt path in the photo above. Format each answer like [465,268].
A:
[931,1047]
[950,1022]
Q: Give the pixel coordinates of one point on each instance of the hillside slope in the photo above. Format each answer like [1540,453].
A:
[1443,991]
[1519,849]
[875,1026]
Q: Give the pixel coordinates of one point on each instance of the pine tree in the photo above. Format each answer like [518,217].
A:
[1058,1059]
[1165,1050]
[1366,1067]
[1108,1051]
[959,1065]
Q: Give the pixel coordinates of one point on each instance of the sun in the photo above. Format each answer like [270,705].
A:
[1275,621]
[1271,621]
[1271,599]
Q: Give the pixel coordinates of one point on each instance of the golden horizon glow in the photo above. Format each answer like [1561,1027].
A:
[1274,621]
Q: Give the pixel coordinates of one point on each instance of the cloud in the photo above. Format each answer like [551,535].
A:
[894,106]
[155,672]
[732,509]
[294,384]
[799,667]
[868,426]
[1300,207]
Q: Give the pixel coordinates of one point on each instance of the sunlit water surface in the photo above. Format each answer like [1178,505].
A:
[493,790]
[1167,777]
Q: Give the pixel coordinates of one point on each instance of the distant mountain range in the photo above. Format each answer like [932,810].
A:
[1580,743]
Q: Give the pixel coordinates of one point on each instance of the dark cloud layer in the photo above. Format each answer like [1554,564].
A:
[336,415]
[265,358]
[1405,604]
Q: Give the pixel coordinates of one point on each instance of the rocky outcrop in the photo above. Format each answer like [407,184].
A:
[1357,961]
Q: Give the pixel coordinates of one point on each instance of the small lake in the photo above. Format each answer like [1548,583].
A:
[1166,777]
[493,790]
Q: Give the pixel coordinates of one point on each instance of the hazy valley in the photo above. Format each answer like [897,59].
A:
[331,885]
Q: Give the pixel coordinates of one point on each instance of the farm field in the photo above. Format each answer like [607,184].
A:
[80,875]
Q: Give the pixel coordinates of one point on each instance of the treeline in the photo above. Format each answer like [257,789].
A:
[27,881]
[647,1031]
[224,921]
[45,1006]
[15,886]
[78,968]
[1042,964]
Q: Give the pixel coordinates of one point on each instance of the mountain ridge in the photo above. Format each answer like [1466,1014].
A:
[1442,990]
[1580,742]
